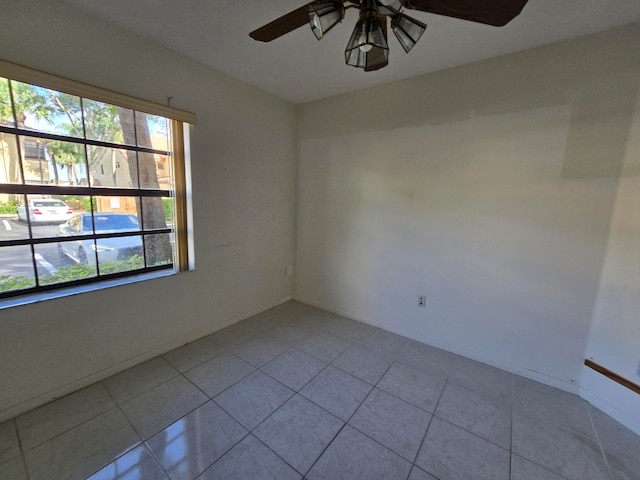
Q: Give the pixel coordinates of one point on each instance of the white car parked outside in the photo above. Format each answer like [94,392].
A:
[45,210]
[83,251]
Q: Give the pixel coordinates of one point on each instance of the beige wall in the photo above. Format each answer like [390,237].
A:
[489,188]
[243,163]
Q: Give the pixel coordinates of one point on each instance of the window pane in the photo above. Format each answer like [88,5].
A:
[155,171]
[45,110]
[65,261]
[117,213]
[60,216]
[45,214]
[157,131]
[108,123]
[9,159]
[16,268]
[6,113]
[53,162]
[120,254]
[37,170]
[10,227]
[156,212]
[158,249]
[73,259]
[115,222]
[111,167]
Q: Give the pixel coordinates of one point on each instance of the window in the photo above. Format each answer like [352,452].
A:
[92,184]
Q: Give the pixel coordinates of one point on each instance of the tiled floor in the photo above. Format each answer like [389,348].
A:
[298,392]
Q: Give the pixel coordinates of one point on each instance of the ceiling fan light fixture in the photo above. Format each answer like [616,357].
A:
[323,16]
[407,30]
[367,47]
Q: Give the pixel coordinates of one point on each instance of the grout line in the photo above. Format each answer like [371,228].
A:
[275,453]
[513,401]
[210,399]
[177,373]
[597,436]
[429,424]
[157,460]
[17,430]
[349,419]
[221,456]
[143,439]
[307,382]
[24,463]
[535,462]
[24,458]
[250,432]
[124,415]
[140,442]
[297,392]
[227,388]
[224,350]
[62,432]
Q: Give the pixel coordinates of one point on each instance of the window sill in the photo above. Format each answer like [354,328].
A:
[66,292]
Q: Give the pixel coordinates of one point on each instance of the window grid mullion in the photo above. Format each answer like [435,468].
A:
[135,136]
[35,264]
[85,281]
[97,236]
[86,141]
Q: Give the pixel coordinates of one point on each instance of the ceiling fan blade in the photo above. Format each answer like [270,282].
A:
[280,26]
[490,12]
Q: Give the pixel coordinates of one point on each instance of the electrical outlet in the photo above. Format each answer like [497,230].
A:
[422,301]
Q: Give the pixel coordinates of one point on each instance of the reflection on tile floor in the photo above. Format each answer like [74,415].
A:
[296,392]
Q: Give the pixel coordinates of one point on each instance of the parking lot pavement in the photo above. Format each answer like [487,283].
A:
[16,262]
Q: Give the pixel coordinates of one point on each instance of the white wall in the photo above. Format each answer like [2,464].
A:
[243,162]
[490,188]
[615,333]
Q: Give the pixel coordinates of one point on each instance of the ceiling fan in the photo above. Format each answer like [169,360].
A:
[367,47]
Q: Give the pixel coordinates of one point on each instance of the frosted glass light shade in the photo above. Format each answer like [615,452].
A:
[367,47]
[389,7]
[323,16]
[407,30]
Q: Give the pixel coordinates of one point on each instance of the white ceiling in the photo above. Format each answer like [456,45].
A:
[299,69]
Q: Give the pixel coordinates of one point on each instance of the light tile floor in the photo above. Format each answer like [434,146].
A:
[296,392]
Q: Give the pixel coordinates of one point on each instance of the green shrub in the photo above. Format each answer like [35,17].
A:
[132,263]
[77,204]
[8,283]
[8,208]
[77,271]
[69,273]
